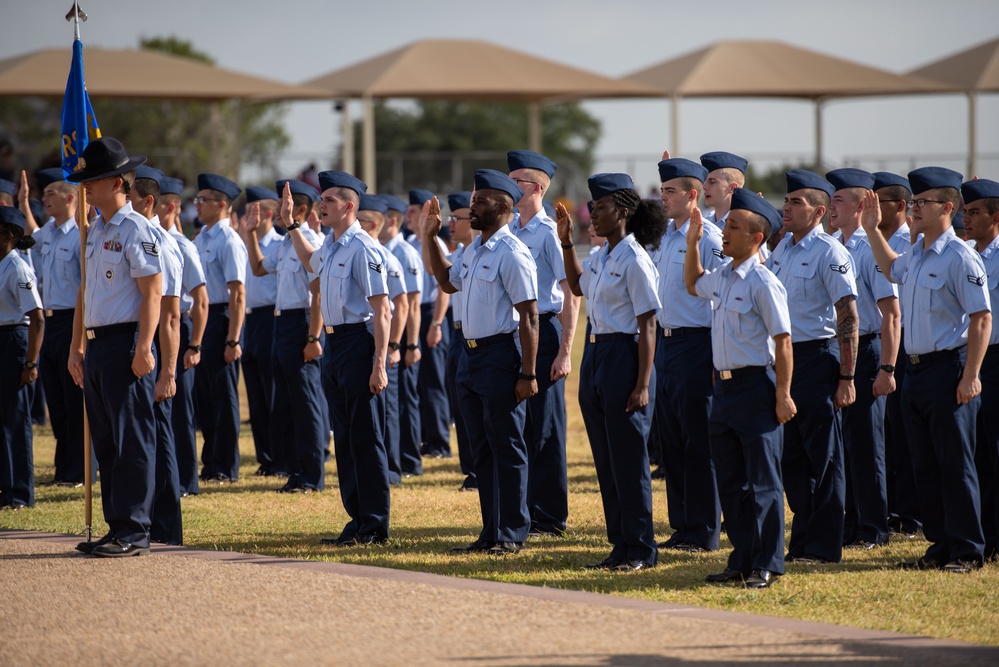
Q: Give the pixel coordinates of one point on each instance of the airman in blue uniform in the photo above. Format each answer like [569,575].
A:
[495,377]
[683,365]
[866,521]
[22,326]
[817,273]
[750,339]
[354,304]
[118,310]
[558,310]
[617,385]
[223,258]
[947,324]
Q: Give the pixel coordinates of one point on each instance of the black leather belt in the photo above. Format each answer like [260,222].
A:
[289,311]
[817,344]
[930,357]
[344,328]
[474,343]
[217,307]
[456,326]
[260,309]
[867,338]
[7,328]
[112,330]
[686,331]
[737,373]
[59,312]
[603,338]
[544,317]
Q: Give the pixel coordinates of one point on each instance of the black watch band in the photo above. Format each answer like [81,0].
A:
[312,339]
[232,343]
[394,346]
[294,225]
[529,378]
[412,346]
[194,348]
[846,377]
[887,368]
[30,364]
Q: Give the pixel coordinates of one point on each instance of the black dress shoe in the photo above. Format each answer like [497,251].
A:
[470,484]
[505,548]
[806,560]
[119,549]
[923,563]
[761,579]
[545,532]
[373,538]
[863,545]
[688,547]
[608,563]
[478,546]
[341,540]
[632,566]
[88,547]
[961,566]
[724,577]
[658,473]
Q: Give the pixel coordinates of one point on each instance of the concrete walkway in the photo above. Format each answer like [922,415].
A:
[183,606]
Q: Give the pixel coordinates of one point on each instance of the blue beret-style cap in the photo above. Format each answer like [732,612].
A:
[297,188]
[46,177]
[219,184]
[601,185]
[457,200]
[850,177]
[341,179]
[420,197]
[958,221]
[259,193]
[680,167]
[7,187]
[395,203]
[490,179]
[747,200]
[884,179]
[151,173]
[801,179]
[723,160]
[530,160]
[11,215]
[171,186]
[372,203]
[929,178]
[549,208]
[983,188]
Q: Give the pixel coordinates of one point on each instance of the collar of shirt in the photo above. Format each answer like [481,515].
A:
[532,224]
[627,242]
[671,227]
[991,248]
[9,258]
[66,227]
[941,242]
[499,234]
[743,269]
[212,231]
[270,237]
[903,230]
[808,239]
[155,222]
[349,233]
[855,238]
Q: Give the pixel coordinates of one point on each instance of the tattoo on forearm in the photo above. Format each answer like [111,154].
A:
[846,334]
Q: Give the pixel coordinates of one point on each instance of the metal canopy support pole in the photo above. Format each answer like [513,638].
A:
[347,137]
[972,157]
[368,144]
[674,145]
[534,126]
[819,106]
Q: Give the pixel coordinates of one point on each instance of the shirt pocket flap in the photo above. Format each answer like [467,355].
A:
[739,304]
[933,281]
[803,270]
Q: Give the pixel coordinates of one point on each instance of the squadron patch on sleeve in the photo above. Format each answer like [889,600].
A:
[840,268]
[28,285]
[977,280]
[375,266]
[151,248]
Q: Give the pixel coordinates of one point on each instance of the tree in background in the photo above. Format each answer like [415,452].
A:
[438,145]
[179,137]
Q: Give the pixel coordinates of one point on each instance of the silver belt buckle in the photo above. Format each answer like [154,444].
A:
[593,338]
[329,330]
[277,313]
[725,375]
[913,358]
[91,334]
[667,333]
[49,313]
[249,311]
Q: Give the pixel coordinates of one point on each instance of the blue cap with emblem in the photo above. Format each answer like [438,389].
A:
[297,188]
[802,179]
[219,184]
[747,200]
[549,208]
[46,177]
[930,178]
[982,188]
[723,160]
[150,173]
[530,160]
[850,177]
[420,197]
[260,193]
[373,203]
[490,179]
[457,200]
[11,215]
[341,179]
[171,186]
[884,179]
[394,203]
[680,167]
[601,185]
[7,187]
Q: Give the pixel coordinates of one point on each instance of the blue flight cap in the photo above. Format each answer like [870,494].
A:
[884,179]
[549,208]
[151,173]
[801,179]
[850,177]
[419,197]
[747,200]
[219,184]
[601,185]
[373,203]
[171,186]
[530,160]
[47,177]
[38,211]
[490,179]
[457,200]
[958,222]
[983,188]
[930,178]
[297,188]
[394,203]
[589,206]
[341,179]
[723,160]
[7,187]
[680,167]
[11,215]
[259,193]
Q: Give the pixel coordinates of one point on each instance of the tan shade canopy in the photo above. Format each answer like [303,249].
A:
[976,69]
[139,73]
[774,69]
[470,70]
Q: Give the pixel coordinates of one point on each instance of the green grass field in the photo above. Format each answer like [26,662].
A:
[429,515]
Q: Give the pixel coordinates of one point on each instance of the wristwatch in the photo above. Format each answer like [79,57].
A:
[394,346]
[294,225]
[887,368]
[312,339]
[412,346]
[30,364]
[194,348]
[232,343]
[435,323]
[846,377]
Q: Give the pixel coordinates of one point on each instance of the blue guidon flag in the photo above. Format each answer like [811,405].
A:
[79,126]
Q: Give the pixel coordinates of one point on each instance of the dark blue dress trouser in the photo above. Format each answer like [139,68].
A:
[64,397]
[435,411]
[182,416]
[258,376]
[454,352]
[218,400]
[410,460]
[903,496]
[987,449]
[17,468]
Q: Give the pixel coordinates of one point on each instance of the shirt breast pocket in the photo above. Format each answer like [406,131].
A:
[486,287]
[676,261]
[799,276]
[289,264]
[737,313]
[110,268]
[64,260]
[931,281]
